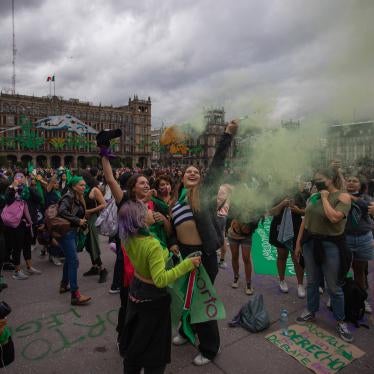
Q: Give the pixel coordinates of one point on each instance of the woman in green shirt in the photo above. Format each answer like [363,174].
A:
[147,341]
[323,246]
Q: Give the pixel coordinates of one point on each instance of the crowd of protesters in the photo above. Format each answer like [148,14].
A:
[173,212]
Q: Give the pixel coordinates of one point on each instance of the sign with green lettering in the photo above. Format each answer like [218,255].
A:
[315,348]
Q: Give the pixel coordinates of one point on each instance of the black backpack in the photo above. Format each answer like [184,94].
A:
[354,302]
[252,316]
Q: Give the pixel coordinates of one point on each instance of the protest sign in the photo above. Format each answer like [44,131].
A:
[315,348]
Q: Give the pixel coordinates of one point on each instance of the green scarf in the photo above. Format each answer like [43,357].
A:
[183,197]
[25,194]
[313,200]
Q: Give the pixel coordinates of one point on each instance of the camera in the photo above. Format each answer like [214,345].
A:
[5,309]
[104,137]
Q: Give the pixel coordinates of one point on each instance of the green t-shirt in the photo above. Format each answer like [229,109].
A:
[316,221]
[149,259]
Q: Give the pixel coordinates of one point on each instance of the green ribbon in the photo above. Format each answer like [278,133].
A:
[183,197]
[314,198]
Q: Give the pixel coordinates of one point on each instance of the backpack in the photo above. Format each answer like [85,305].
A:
[107,221]
[12,214]
[56,226]
[252,316]
[354,302]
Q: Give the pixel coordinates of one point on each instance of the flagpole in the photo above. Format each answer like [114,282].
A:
[50,89]
[54,85]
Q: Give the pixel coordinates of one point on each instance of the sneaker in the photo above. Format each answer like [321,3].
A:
[368,308]
[179,340]
[200,360]
[55,261]
[321,290]
[300,291]
[344,333]
[328,302]
[93,271]
[19,275]
[305,317]
[43,252]
[114,290]
[78,299]
[31,271]
[222,265]
[283,286]
[235,283]
[248,289]
[103,275]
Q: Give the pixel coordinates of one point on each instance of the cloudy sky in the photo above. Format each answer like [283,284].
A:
[290,58]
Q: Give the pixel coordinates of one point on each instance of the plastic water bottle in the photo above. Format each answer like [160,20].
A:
[284,322]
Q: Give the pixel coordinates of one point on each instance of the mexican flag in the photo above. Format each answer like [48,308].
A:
[51,78]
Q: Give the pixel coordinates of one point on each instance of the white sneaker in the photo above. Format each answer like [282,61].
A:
[368,308]
[235,283]
[200,360]
[320,290]
[283,286]
[19,275]
[222,265]
[249,290]
[179,340]
[300,291]
[55,261]
[31,271]
[328,302]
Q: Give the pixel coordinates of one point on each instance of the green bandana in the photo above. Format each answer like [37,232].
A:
[183,197]
[313,200]
[74,180]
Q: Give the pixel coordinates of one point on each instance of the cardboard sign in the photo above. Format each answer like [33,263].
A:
[316,348]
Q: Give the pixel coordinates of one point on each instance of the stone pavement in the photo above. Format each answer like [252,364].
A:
[51,337]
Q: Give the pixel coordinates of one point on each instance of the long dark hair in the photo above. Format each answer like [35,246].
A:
[131,184]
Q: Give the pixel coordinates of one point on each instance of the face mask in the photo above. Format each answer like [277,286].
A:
[320,186]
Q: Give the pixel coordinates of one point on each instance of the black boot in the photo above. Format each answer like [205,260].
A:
[103,275]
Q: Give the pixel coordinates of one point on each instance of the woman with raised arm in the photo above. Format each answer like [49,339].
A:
[196,226]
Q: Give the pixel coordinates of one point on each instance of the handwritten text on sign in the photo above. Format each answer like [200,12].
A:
[315,348]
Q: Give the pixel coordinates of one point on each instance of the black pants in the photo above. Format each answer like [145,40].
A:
[124,294]
[207,332]
[133,369]
[18,240]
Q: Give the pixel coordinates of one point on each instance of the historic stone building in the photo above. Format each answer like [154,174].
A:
[54,148]
[350,142]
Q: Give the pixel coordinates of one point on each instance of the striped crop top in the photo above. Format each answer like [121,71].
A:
[181,213]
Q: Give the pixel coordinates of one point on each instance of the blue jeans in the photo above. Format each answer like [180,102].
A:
[70,270]
[315,273]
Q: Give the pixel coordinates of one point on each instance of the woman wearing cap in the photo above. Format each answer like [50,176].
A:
[73,208]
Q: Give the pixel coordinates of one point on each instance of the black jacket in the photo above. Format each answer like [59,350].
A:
[70,208]
[206,219]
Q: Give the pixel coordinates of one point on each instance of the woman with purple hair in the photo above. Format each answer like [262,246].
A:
[147,341]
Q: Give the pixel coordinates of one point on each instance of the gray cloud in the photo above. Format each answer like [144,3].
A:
[297,58]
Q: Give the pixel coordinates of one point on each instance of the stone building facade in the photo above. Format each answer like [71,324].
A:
[350,142]
[62,148]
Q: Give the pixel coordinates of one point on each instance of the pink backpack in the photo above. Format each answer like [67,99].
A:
[12,214]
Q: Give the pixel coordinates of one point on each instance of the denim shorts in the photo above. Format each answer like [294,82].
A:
[361,246]
[247,241]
